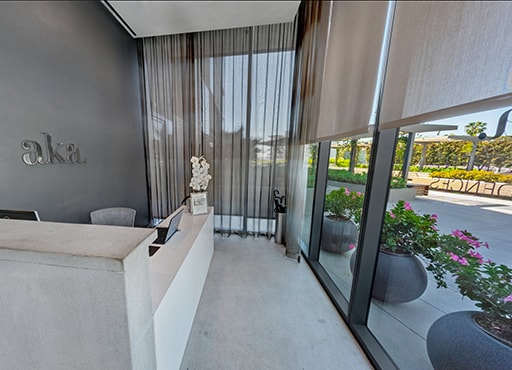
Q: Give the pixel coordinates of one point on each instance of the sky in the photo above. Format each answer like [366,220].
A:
[491,117]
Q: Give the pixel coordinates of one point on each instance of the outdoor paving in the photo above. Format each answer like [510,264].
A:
[402,328]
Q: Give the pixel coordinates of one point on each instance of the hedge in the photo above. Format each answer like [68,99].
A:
[475,175]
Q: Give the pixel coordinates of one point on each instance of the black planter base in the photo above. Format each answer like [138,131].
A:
[456,342]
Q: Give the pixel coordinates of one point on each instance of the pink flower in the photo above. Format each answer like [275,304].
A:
[347,191]
[458,259]
[433,217]
[508,299]
[351,246]
[457,233]
[435,228]
[407,206]
[463,261]
[392,215]
[477,255]
[453,256]
[359,193]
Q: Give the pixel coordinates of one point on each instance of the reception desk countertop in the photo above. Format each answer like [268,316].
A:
[104,247]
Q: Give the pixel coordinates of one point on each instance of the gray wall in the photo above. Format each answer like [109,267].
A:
[69,69]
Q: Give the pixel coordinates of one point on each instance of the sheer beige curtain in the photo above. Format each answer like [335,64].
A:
[306,82]
[339,46]
[225,95]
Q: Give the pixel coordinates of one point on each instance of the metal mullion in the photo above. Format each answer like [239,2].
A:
[318,199]
[376,197]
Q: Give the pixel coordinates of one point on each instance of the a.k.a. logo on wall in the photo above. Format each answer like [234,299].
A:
[48,152]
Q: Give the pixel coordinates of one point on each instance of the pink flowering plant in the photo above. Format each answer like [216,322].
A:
[406,231]
[459,254]
[343,204]
[487,283]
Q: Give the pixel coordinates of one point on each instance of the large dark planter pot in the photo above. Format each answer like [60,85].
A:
[338,235]
[399,278]
[455,341]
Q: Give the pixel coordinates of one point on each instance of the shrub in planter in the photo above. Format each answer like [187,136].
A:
[343,204]
[490,286]
[406,237]
[343,213]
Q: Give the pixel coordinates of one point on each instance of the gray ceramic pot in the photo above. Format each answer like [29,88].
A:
[399,278]
[456,342]
[338,235]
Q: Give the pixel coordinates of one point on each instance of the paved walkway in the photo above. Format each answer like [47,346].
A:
[489,219]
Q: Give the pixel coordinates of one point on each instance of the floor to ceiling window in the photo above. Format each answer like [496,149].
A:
[224,95]
[432,203]
[463,185]
[310,163]
[343,207]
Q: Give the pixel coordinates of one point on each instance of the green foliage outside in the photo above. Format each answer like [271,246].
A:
[352,178]
[449,154]
[344,204]
[398,183]
[475,128]
[346,176]
[431,169]
[495,153]
[360,178]
[341,162]
[475,175]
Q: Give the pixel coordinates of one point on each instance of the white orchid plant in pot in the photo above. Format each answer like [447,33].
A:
[199,184]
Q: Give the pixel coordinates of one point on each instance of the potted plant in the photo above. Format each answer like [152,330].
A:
[343,213]
[406,236]
[490,286]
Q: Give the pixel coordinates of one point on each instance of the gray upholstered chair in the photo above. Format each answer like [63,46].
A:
[116,216]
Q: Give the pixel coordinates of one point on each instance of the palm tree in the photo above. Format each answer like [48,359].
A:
[474,129]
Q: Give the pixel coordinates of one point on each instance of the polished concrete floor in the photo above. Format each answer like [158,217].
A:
[261,310]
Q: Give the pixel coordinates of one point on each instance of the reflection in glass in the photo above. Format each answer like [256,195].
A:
[455,180]
[346,181]
[310,163]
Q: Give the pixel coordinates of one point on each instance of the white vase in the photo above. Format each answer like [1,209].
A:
[198,203]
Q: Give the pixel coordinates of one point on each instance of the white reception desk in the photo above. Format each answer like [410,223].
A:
[90,297]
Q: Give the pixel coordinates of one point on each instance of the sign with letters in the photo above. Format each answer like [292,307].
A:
[495,189]
[49,152]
